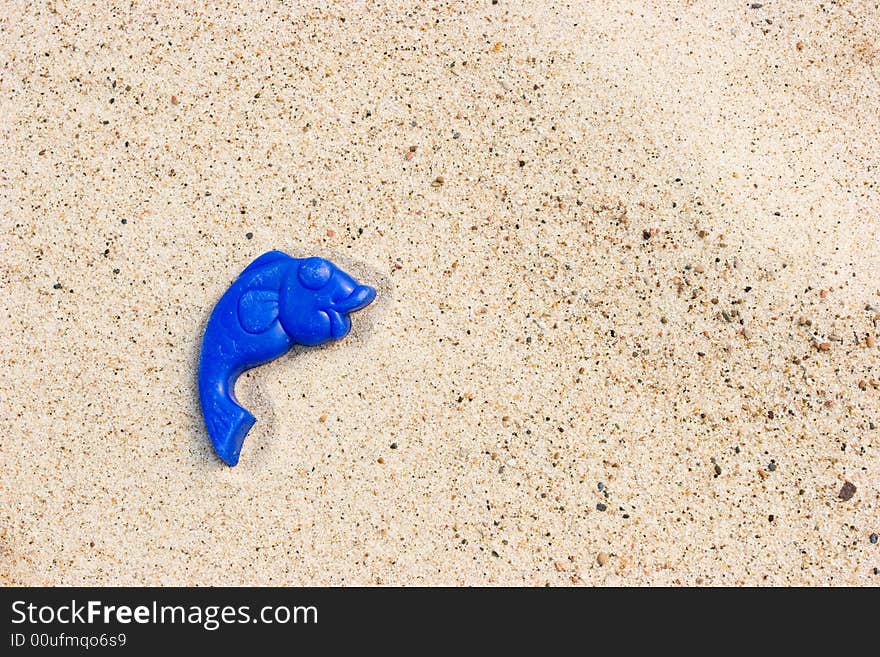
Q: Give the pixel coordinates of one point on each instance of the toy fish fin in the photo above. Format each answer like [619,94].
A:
[258,310]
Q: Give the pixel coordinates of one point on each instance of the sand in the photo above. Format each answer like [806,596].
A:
[628,308]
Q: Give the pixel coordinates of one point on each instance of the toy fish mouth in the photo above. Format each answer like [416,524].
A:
[340,323]
[359,298]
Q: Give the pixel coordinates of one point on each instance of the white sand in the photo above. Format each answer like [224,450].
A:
[562,135]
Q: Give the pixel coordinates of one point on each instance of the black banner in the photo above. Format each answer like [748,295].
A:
[102,619]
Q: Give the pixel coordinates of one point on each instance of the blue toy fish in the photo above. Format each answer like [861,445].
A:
[276,302]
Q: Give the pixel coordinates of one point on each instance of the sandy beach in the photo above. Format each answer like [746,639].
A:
[627,257]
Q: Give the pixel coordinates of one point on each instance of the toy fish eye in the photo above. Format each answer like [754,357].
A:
[314,273]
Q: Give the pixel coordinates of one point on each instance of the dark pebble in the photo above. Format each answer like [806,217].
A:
[847,491]
[772,466]
[57,286]
[125,221]
[601,507]
[874,538]
[393,445]
[250,236]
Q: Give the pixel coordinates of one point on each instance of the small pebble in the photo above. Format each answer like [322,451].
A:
[601,507]
[602,558]
[874,538]
[57,286]
[250,236]
[174,100]
[393,445]
[847,491]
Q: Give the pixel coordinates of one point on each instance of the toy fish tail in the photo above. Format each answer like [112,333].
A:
[226,421]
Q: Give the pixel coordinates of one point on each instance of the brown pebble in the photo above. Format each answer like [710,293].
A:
[870,342]
[823,294]
[331,232]
[602,558]
[380,460]
[409,155]
[559,566]
[824,346]
[323,418]
[847,491]
[174,100]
